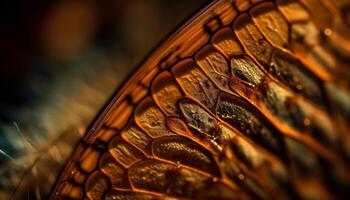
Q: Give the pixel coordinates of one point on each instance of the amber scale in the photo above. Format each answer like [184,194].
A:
[249,99]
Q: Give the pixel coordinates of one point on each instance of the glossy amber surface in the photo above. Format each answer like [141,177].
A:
[249,99]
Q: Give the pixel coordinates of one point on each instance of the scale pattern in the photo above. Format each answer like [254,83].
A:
[249,99]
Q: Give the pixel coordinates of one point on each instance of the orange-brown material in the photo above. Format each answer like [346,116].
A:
[249,99]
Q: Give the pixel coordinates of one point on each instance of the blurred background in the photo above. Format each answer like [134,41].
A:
[61,61]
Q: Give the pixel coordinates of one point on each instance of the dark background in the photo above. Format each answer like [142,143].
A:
[43,39]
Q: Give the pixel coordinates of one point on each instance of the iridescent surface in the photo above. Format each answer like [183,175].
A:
[250,99]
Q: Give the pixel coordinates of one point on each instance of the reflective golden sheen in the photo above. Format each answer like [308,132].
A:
[249,99]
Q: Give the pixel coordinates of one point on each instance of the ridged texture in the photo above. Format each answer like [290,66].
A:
[250,99]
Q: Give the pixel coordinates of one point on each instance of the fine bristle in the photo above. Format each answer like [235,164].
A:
[35,154]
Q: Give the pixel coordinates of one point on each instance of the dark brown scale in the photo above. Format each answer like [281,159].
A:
[294,74]
[247,101]
[240,115]
[185,152]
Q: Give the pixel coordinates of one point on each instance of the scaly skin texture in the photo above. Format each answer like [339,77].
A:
[249,99]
